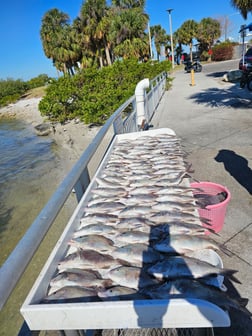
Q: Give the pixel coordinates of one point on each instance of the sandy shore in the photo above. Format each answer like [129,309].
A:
[71,138]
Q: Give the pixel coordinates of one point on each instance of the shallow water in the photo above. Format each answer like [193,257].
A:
[25,159]
[30,171]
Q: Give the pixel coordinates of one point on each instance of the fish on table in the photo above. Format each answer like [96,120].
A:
[116,293]
[72,294]
[188,288]
[133,236]
[93,242]
[174,267]
[131,276]
[137,254]
[78,277]
[97,228]
[183,243]
[87,259]
[138,215]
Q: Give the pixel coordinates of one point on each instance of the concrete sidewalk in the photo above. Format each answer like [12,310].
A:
[214,121]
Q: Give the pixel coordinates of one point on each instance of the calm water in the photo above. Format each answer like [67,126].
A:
[30,171]
[24,160]
[21,150]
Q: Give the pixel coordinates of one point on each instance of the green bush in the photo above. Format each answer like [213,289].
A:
[38,81]
[60,99]
[94,94]
[11,90]
[222,52]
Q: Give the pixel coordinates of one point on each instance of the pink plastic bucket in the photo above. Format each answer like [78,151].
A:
[214,213]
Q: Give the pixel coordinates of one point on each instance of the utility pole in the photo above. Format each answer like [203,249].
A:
[170,23]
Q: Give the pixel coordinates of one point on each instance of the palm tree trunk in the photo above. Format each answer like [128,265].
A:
[107,52]
[191,58]
[101,61]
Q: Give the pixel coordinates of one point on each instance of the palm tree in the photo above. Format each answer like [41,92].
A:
[127,32]
[244,6]
[68,50]
[127,4]
[209,30]
[160,38]
[52,23]
[178,42]
[187,32]
[87,53]
[95,27]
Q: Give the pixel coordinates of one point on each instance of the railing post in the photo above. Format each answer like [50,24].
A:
[82,184]
[140,102]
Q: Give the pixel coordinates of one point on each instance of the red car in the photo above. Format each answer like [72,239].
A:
[247,64]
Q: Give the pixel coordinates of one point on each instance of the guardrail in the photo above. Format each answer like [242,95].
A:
[123,120]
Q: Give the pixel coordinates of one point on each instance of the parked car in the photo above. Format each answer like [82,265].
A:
[247,65]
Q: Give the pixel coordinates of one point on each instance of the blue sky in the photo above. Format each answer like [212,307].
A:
[22,54]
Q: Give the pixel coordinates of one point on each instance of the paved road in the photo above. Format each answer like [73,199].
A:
[217,69]
[214,121]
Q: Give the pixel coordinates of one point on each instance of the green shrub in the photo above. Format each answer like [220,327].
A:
[94,94]
[11,90]
[38,81]
[60,99]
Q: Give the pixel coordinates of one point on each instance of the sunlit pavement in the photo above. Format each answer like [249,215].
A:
[214,121]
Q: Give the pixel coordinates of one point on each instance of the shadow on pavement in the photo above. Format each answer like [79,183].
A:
[233,97]
[237,166]
[217,74]
[241,323]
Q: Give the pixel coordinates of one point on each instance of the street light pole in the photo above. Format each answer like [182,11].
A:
[150,43]
[170,22]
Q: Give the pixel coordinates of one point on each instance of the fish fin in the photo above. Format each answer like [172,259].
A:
[124,262]
[230,274]
[243,302]
[189,168]
[105,283]
[211,231]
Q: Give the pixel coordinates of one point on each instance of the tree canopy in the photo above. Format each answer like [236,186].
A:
[187,32]
[104,33]
[244,6]
[160,38]
[100,35]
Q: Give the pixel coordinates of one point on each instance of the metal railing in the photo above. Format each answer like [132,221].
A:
[123,120]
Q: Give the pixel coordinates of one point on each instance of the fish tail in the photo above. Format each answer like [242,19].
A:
[243,302]
[106,283]
[189,168]
[226,251]
[205,221]
[207,229]
[230,274]
[182,176]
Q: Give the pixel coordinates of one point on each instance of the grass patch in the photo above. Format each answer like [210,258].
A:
[38,92]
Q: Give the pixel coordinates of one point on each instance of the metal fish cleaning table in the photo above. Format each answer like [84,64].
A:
[132,314]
